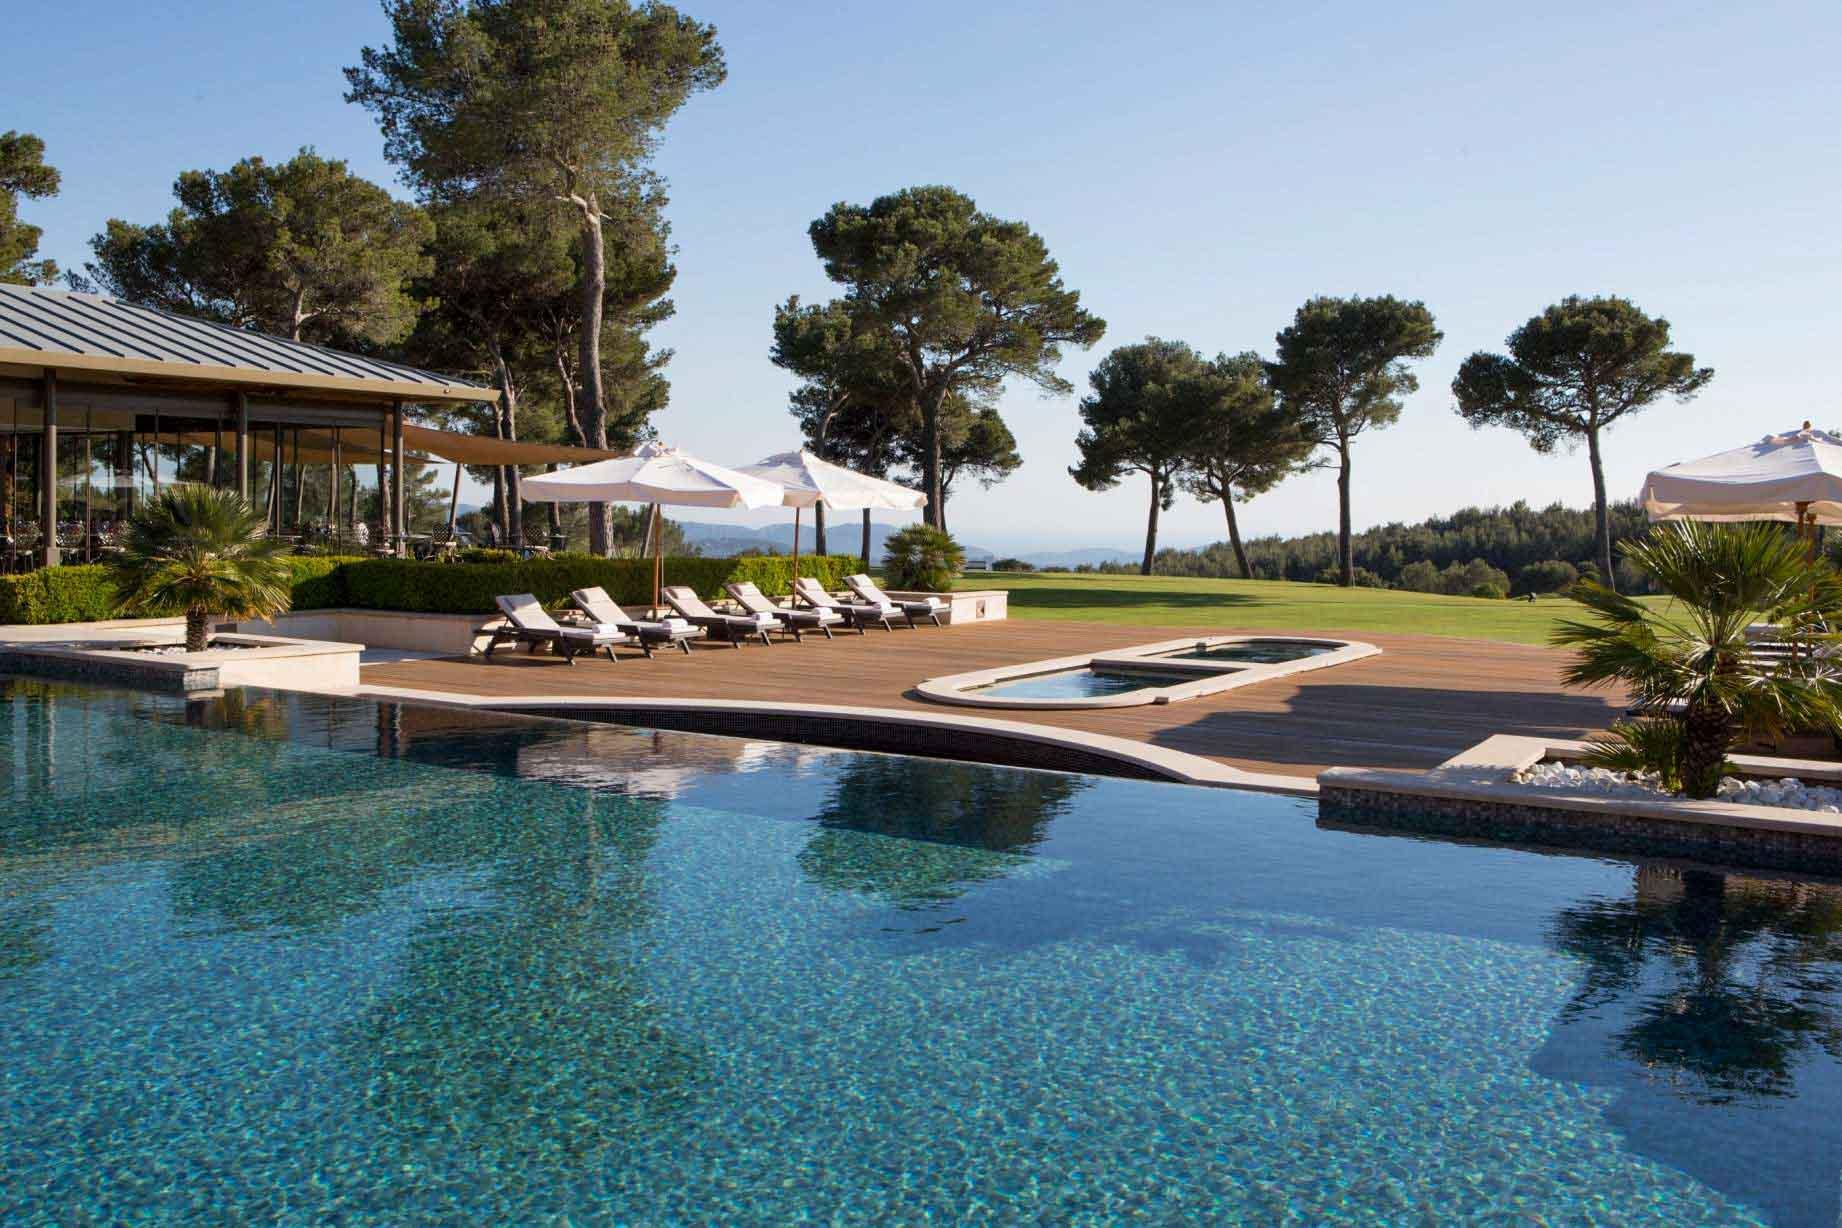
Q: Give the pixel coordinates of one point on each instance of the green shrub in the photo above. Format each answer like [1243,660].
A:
[921,558]
[85,592]
[80,593]
[1548,576]
[1489,589]
[319,581]
[487,554]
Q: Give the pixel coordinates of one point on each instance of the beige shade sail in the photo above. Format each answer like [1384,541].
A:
[360,446]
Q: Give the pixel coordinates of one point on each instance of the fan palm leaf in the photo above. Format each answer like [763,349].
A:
[202,553]
[1690,655]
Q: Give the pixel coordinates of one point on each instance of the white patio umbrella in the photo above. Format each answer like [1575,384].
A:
[657,475]
[1795,477]
[810,481]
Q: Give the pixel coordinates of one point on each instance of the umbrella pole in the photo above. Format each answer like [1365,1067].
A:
[658,557]
[794,585]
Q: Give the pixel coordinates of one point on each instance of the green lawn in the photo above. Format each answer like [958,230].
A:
[1268,604]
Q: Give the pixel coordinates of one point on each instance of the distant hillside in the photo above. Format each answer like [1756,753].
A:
[718,540]
[1527,548]
[1064,560]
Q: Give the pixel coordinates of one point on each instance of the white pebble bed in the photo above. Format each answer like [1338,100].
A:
[1788,792]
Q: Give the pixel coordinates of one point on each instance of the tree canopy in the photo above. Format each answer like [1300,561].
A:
[1572,371]
[1140,419]
[966,300]
[555,103]
[23,173]
[1341,370]
[304,249]
[1241,443]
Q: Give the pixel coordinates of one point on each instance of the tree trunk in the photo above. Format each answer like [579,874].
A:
[1346,548]
[591,406]
[1151,525]
[1602,521]
[197,629]
[1234,537]
[866,539]
[1707,733]
[498,501]
[818,528]
[936,513]
[506,427]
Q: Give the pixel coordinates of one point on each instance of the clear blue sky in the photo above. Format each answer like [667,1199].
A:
[1198,169]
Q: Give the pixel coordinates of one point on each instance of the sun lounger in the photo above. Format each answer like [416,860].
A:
[855,614]
[865,589]
[734,627]
[750,597]
[603,612]
[527,622]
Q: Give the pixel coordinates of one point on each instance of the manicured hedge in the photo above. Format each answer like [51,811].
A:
[77,594]
[84,592]
[469,588]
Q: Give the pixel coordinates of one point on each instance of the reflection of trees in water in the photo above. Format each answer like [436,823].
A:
[943,825]
[25,937]
[523,1027]
[1724,983]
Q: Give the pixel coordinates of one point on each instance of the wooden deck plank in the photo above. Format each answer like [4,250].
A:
[1424,699]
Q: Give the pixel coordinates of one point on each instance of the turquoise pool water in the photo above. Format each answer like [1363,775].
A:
[1079,684]
[282,959]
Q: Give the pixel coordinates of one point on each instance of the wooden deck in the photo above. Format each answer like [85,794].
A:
[1424,699]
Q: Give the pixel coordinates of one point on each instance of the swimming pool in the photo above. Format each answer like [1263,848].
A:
[1082,683]
[1257,652]
[287,958]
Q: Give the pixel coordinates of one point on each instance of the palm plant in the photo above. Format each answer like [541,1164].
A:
[922,558]
[1687,660]
[202,553]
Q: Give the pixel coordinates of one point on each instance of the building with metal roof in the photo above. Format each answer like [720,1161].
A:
[102,400]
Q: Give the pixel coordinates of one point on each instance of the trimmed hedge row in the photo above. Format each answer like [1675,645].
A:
[469,588]
[84,592]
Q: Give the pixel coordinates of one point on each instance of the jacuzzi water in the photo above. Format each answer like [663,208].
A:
[1082,683]
[284,959]
[1256,652]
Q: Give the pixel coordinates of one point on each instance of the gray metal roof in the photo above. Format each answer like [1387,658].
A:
[92,332]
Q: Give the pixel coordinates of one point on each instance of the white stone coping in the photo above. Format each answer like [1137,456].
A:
[1482,774]
[251,648]
[1210,677]
[1171,765]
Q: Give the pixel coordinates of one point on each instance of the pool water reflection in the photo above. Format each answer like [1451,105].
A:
[286,958]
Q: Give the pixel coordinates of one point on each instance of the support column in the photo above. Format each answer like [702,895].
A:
[123,502]
[242,475]
[276,489]
[399,523]
[48,473]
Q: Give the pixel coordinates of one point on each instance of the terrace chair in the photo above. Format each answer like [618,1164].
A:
[750,597]
[735,627]
[528,623]
[865,589]
[856,615]
[603,612]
